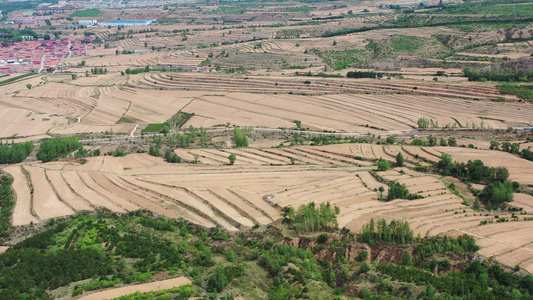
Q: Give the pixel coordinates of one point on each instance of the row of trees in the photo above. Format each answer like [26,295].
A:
[498,74]
[311,218]
[98,70]
[397,232]
[363,74]
[513,148]
[425,123]
[6,204]
[432,141]
[51,149]
[15,152]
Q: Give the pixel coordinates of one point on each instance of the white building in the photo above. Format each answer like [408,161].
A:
[87,22]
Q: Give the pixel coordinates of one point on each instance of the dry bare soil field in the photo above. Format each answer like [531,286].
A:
[262,182]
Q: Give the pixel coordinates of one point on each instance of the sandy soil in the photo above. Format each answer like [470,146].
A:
[143,288]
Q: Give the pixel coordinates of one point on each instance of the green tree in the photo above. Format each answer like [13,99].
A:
[397,191]
[432,141]
[230,255]
[232,157]
[477,204]
[218,281]
[452,142]
[445,161]
[407,259]
[365,268]
[497,193]
[383,165]
[399,159]
[501,174]
[240,138]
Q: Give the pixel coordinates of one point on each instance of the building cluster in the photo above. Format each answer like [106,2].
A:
[120,4]
[34,56]
[25,20]
[127,23]
[60,7]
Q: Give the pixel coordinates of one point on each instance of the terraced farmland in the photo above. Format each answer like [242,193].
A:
[256,189]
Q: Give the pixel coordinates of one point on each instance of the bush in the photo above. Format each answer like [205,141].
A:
[383,165]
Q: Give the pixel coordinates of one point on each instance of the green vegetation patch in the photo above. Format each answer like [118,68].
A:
[154,127]
[299,9]
[407,43]
[179,293]
[14,153]
[483,27]
[128,120]
[6,204]
[54,148]
[487,8]
[12,79]
[93,12]
[343,59]
[524,91]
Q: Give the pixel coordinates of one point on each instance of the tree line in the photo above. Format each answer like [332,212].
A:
[364,74]
[98,70]
[513,148]
[397,232]
[498,74]
[6,204]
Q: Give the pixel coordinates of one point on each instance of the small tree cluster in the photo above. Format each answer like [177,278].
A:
[51,149]
[172,157]
[425,123]
[14,153]
[240,138]
[472,171]
[363,74]
[98,70]
[82,152]
[310,218]
[399,191]
[397,232]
